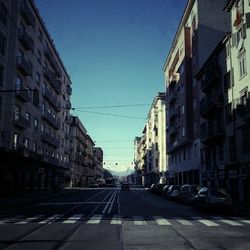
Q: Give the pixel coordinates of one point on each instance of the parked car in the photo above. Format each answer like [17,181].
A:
[187,193]
[165,190]
[152,188]
[158,188]
[212,199]
[125,186]
[173,192]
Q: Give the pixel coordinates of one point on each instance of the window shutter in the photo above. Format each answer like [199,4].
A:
[244,29]
[234,39]
[248,20]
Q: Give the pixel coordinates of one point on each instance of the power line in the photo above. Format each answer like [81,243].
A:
[110,114]
[113,106]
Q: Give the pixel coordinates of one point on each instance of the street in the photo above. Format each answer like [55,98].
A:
[111,218]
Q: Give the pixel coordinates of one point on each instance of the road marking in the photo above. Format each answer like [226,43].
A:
[229,222]
[11,219]
[246,221]
[208,223]
[116,220]
[30,219]
[183,222]
[49,219]
[139,221]
[73,219]
[95,219]
[161,221]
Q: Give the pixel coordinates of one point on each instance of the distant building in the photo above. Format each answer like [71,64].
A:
[98,162]
[35,91]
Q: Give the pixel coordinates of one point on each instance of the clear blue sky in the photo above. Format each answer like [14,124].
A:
[114,51]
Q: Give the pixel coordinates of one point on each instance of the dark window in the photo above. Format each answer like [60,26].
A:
[36,97]
[229,113]
[246,140]
[232,148]
[3,13]
[2,44]
[227,83]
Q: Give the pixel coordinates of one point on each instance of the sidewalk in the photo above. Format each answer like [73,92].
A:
[26,199]
[242,209]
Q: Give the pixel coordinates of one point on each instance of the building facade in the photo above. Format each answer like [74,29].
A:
[198,34]
[35,91]
[98,163]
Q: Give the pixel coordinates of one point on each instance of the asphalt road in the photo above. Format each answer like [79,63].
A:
[115,219]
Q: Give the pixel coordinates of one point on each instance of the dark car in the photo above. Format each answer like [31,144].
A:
[173,192]
[152,188]
[165,190]
[187,193]
[125,186]
[158,188]
[212,198]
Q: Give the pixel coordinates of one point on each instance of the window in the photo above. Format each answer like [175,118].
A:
[229,113]
[39,56]
[36,97]
[2,44]
[194,104]
[195,150]
[1,75]
[221,152]
[183,131]
[227,82]
[232,148]
[38,78]
[246,140]
[156,146]
[31,68]
[40,36]
[227,49]
[243,96]
[15,141]
[26,143]
[18,83]
[3,13]
[34,147]
[182,109]
[184,154]
[27,116]
[42,127]
[35,123]
[242,65]
[16,112]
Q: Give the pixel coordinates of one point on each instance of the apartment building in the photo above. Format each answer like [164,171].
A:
[152,146]
[139,162]
[198,34]
[237,84]
[35,91]
[98,162]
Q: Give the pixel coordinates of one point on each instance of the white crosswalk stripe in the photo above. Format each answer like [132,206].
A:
[229,222]
[30,219]
[206,222]
[11,219]
[95,219]
[73,219]
[183,221]
[49,219]
[116,220]
[161,221]
[139,221]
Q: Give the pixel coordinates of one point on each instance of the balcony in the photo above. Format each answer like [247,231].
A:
[52,160]
[50,76]
[56,104]
[23,94]
[25,39]
[26,13]
[243,109]
[210,135]
[56,84]
[21,122]
[48,95]
[173,79]
[68,105]
[172,131]
[23,66]
[210,104]
[49,54]
[173,113]
[51,140]
[51,119]
[172,96]
[69,90]
[211,75]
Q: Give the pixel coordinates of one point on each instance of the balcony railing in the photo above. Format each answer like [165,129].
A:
[174,78]
[23,94]
[172,96]
[51,140]
[69,90]
[51,77]
[21,122]
[210,104]
[25,39]
[26,13]
[211,74]
[23,66]
[173,113]
[211,134]
[51,119]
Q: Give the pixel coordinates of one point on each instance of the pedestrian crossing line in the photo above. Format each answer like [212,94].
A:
[226,221]
[95,219]
[161,221]
[116,220]
[206,222]
[29,219]
[245,221]
[73,219]
[11,219]
[183,221]
[49,219]
[139,221]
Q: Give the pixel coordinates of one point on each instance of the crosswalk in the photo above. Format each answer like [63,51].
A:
[208,221]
